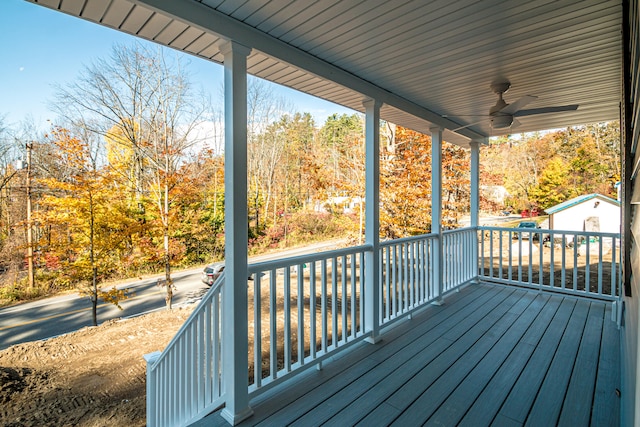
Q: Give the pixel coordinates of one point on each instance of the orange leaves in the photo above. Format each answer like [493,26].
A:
[72,151]
[405,182]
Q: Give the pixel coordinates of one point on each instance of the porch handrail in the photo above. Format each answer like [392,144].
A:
[302,259]
[460,257]
[571,262]
[184,381]
[408,279]
[318,300]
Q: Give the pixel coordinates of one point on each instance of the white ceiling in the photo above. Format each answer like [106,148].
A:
[430,62]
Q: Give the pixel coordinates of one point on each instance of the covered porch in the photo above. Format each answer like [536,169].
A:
[428,329]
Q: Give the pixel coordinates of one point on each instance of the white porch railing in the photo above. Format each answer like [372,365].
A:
[460,258]
[578,263]
[406,275]
[409,267]
[301,311]
[184,381]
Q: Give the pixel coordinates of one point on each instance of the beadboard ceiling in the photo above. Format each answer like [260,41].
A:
[430,62]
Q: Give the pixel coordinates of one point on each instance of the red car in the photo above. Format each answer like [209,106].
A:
[529,214]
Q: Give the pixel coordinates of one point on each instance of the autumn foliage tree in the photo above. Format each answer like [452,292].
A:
[405,185]
[456,184]
[83,214]
[141,99]
[541,170]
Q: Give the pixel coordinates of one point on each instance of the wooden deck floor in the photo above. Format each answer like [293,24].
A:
[491,355]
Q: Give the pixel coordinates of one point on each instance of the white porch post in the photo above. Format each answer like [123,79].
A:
[436,206]
[234,303]
[475,182]
[372,219]
[475,201]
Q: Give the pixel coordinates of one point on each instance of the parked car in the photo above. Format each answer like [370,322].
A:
[211,272]
[524,226]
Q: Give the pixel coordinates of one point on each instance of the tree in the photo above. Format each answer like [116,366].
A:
[590,156]
[405,185]
[199,207]
[83,211]
[456,185]
[265,149]
[554,185]
[141,99]
[170,136]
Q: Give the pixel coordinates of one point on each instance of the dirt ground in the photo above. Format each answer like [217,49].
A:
[92,377]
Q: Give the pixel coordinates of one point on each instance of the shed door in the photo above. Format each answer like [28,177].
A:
[592,223]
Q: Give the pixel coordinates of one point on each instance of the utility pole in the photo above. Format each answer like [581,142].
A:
[29,147]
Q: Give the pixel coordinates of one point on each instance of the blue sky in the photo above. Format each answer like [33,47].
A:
[41,47]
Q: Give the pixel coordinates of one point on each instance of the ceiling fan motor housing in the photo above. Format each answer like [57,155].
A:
[501,121]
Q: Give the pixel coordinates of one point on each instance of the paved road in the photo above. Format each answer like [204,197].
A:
[60,315]
[491,220]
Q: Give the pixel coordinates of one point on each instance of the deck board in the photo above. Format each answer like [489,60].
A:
[485,407]
[607,391]
[548,403]
[399,346]
[441,378]
[468,390]
[576,409]
[431,345]
[393,371]
[525,389]
[489,355]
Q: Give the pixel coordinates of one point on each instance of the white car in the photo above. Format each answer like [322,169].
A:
[211,272]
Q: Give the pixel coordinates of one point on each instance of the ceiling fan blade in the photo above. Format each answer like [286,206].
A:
[517,105]
[466,126]
[544,110]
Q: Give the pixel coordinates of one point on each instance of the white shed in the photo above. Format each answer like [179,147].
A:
[591,212]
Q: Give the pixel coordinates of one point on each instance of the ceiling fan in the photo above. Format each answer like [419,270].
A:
[503,115]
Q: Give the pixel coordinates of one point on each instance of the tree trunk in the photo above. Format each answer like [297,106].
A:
[94,297]
[92,259]
[167,270]
[167,255]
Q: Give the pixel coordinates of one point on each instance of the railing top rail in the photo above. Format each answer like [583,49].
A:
[409,239]
[550,231]
[392,242]
[215,289]
[302,259]
[459,230]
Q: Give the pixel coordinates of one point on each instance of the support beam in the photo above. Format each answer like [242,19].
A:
[372,219]
[234,308]
[436,207]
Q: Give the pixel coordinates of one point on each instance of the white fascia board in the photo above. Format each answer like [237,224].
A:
[210,20]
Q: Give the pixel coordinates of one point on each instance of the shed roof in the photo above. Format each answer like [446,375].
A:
[580,199]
